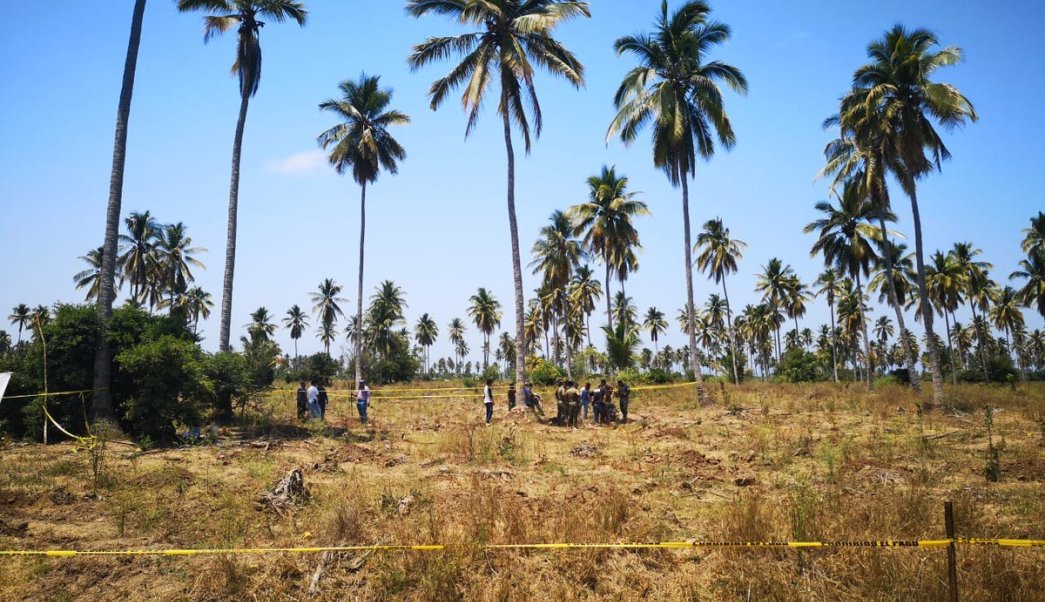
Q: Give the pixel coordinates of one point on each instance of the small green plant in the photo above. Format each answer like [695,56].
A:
[992,464]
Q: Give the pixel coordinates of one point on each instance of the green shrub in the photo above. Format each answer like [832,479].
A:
[170,385]
[798,366]
[542,372]
[230,380]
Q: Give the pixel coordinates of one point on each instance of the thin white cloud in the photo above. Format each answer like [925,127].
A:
[302,163]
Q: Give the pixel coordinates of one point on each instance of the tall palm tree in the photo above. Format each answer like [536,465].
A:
[138,260]
[655,323]
[197,303]
[556,253]
[675,89]
[945,281]
[246,16]
[512,37]
[585,292]
[101,399]
[485,311]
[362,144]
[883,329]
[90,278]
[795,300]
[384,316]
[1005,311]
[623,308]
[5,342]
[1033,270]
[896,95]
[773,283]
[717,255]
[296,321]
[456,331]
[605,222]
[326,304]
[175,257]
[1034,236]
[846,240]
[426,332]
[261,326]
[22,317]
[830,286]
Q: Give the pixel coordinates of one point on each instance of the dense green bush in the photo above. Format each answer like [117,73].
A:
[797,365]
[231,382]
[999,367]
[542,372]
[170,387]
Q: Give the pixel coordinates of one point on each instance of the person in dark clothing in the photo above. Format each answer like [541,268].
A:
[598,401]
[624,394]
[322,399]
[586,399]
[511,396]
[303,402]
[560,402]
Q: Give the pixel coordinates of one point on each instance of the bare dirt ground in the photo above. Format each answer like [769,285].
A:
[763,462]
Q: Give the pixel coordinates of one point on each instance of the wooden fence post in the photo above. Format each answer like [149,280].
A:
[952,562]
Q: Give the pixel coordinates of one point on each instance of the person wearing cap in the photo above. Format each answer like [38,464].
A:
[363,400]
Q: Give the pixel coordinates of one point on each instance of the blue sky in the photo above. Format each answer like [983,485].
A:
[439,228]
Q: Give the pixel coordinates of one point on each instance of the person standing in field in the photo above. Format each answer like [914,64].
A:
[302,401]
[322,400]
[313,400]
[624,394]
[585,395]
[560,402]
[363,400]
[597,401]
[573,405]
[511,396]
[488,400]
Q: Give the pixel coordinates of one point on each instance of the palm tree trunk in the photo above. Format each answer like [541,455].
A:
[863,325]
[979,344]
[732,335]
[609,310]
[230,243]
[927,312]
[834,342]
[690,307]
[101,400]
[950,347]
[961,353]
[520,305]
[894,299]
[359,286]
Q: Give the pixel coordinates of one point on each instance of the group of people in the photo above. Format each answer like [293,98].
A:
[312,400]
[570,401]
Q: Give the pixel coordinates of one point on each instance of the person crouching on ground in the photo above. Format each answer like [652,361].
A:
[573,404]
[302,401]
[488,400]
[532,400]
[363,401]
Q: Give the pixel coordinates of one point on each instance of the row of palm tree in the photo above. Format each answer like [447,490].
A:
[156,261]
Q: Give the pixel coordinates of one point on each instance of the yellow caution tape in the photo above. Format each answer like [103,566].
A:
[920,543]
[55,394]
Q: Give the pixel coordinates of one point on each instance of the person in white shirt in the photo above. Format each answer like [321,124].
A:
[488,400]
[313,400]
[362,400]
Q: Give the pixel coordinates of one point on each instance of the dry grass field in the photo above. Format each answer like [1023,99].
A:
[763,462]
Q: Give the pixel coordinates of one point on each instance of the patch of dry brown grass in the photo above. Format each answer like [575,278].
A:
[767,462]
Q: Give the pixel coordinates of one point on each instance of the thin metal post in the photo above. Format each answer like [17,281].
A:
[952,561]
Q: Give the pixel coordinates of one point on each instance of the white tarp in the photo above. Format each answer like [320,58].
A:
[5,377]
